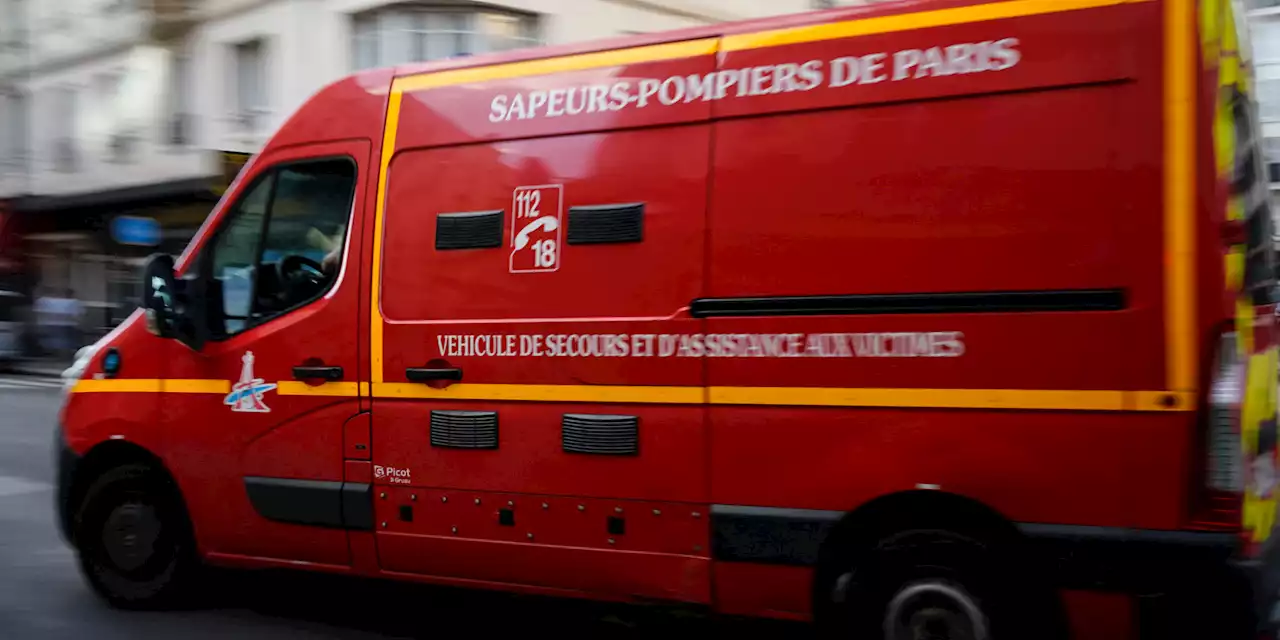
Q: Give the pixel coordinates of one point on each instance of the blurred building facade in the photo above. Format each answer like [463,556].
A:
[1264,31]
[122,120]
[97,126]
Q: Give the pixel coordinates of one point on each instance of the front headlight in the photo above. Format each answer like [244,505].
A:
[73,373]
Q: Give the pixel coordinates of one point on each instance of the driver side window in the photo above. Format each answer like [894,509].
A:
[281,246]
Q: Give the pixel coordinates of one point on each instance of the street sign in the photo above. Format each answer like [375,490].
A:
[135,230]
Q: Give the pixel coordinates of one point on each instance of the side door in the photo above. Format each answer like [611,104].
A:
[257,414]
[528,429]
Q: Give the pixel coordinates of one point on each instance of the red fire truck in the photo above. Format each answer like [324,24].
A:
[922,317]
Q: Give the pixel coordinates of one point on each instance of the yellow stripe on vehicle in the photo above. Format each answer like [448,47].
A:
[923,398]
[1161,401]
[388,150]
[545,393]
[212,387]
[909,22]
[544,66]
[1026,399]
[134,385]
[150,385]
[1179,194]
[197,386]
[296,388]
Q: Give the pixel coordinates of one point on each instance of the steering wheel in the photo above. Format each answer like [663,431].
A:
[298,270]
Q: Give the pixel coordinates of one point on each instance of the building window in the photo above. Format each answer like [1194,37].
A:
[66,143]
[177,124]
[364,40]
[13,130]
[249,85]
[121,143]
[1268,96]
[1271,153]
[399,34]
[13,40]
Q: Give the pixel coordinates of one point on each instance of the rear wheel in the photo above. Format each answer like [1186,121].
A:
[931,585]
[134,540]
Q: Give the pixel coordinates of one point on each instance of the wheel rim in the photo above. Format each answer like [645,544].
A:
[934,611]
[130,535]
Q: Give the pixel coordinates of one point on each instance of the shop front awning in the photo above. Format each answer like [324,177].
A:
[187,188]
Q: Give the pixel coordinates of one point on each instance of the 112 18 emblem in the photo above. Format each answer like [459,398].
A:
[537,226]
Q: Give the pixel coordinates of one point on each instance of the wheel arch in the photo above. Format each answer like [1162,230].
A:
[917,508]
[861,528]
[99,459]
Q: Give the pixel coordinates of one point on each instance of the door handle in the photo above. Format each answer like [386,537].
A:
[429,375]
[328,374]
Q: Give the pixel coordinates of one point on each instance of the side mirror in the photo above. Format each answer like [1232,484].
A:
[159,299]
[174,308]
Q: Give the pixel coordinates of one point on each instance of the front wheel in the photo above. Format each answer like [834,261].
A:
[931,585]
[134,540]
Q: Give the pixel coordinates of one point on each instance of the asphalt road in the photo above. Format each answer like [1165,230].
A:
[42,595]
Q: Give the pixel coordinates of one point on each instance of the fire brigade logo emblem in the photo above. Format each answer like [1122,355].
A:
[246,395]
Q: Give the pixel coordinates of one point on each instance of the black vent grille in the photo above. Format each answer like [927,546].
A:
[606,224]
[475,230]
[464,429]
[600,435]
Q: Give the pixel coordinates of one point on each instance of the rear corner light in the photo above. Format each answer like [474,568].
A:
[1224,471]
[1220,496]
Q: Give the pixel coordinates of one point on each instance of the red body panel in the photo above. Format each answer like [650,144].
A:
[1043,175]
[764,590]
[662,554]
[673,467]
[1069,470]
[95,419]
[426,292]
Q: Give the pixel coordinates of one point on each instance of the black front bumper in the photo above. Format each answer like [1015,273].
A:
[66,462]
[1189,584]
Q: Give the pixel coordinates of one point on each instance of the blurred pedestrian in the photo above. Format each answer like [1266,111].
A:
[44,310]
[73,316]
[59,317]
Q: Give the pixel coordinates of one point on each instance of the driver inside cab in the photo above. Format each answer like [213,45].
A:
[281,247]
[331,245]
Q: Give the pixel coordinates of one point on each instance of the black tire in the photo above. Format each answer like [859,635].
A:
[932,585]
[134,540]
